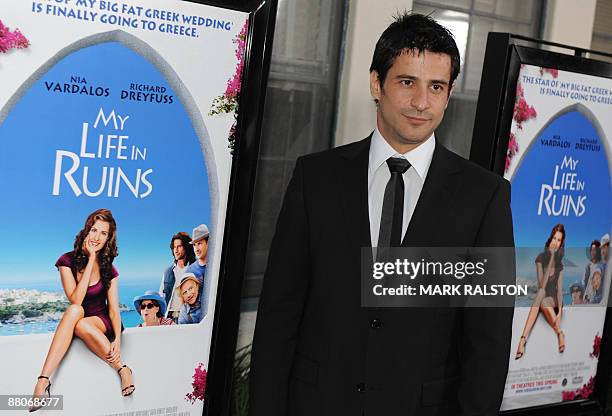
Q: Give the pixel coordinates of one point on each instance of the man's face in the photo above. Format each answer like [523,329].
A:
[596,281]
[200,248]
[576,296]
[189,292]
[604,252]
[412,101]
[178,250]
[593,251]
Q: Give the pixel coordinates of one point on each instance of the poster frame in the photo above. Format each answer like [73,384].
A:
[504,55]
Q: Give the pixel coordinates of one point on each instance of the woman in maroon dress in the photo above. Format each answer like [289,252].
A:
[90,282]
[549,298]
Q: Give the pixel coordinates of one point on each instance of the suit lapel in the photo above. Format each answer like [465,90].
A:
[353,178]
[435,201]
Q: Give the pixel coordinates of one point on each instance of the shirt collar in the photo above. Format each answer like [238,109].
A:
[419,157]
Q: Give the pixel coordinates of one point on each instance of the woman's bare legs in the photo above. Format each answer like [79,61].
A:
[531,319]
[548,310]
[59,345]
[92,331]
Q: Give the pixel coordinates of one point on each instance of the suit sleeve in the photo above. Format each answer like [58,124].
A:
[487,332]
[281,304]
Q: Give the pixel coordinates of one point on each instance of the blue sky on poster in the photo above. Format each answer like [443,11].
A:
[543,168]
[40,226]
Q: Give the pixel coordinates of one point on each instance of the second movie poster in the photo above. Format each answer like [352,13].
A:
[559,161]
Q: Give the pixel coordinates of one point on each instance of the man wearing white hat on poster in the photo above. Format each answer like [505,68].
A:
[192,311]
[199,240]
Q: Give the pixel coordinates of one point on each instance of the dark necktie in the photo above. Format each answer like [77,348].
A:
[390,232]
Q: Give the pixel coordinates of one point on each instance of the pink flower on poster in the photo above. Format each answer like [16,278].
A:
[583,392]
[587,389]
[228,102]
[596,347]
[513,149]
[11,40]
[552,71]
[198,384]
[522,110]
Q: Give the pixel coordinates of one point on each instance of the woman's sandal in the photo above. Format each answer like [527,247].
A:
[47,390]
[561,344]
[126,391]
[519,354]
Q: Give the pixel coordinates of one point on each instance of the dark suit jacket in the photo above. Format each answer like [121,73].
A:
[317,352]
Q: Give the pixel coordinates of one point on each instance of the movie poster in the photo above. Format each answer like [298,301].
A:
[117,126]
[559,164]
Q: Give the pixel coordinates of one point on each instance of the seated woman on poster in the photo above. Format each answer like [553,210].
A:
[191,311]
[152,308]
[549,298]
[90,282]
[593,274]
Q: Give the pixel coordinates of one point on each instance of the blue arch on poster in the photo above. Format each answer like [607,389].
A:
[563,177]
[161,181]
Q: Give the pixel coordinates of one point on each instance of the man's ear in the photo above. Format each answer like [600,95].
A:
[375,87]
[450,92]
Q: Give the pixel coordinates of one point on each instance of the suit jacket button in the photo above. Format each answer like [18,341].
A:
[360,387]
[376,323]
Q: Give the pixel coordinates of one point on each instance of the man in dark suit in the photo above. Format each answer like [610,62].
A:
[316,351]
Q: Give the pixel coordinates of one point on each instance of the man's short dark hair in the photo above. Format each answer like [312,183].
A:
[597,245]
[413,32]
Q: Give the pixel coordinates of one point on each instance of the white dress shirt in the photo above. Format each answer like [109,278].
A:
[378,176]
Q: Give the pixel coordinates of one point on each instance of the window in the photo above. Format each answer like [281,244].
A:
[602,29]
[298,116]
[470,21]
